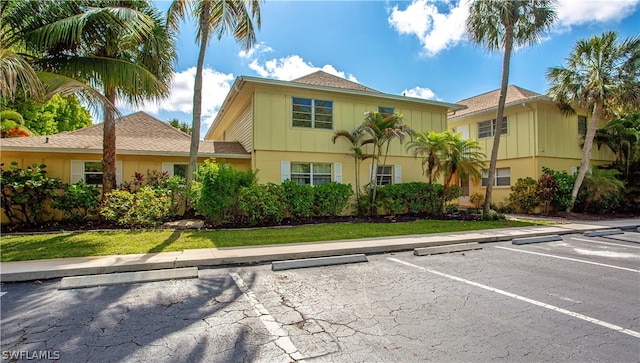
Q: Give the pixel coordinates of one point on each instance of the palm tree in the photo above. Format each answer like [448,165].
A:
[462,159]
[601,73]
[213,17]
[431,146]
[121,47]
[500,25]
[355,137]
[381,131]
[622,136]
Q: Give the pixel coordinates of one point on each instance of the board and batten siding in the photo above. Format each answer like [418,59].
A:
[241,130]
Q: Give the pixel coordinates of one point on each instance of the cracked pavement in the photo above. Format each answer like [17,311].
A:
[376,311]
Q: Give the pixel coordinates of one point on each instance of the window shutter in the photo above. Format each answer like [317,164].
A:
[398,174]
[118,172]
[77,171]
[285,171]
[337,172]
[167,168]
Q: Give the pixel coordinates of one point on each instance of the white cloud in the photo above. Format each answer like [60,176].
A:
[436,30]
[576,12]
[292,67]
[215,86]
[421,92]
[258,49]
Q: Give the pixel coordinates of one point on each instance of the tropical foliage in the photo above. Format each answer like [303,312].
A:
[499,25]
[601,74]
[213,17]
[58,114]
[357,152]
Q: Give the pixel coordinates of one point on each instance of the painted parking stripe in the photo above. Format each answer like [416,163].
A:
[589,319]
[569,259]
[275,329]
[604,243]
[2,293]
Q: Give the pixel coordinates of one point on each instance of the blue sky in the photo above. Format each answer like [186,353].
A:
[414,47]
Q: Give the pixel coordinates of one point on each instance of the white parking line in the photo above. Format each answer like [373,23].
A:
[525,299]
[275,329]
[568,259]
[604,243]
[2,293]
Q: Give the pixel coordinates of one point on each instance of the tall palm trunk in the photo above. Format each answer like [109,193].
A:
[109,145]
[508,46]
[197,93]
[598,110]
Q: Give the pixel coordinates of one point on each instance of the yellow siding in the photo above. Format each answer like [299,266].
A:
[273,128]
[241,130]
[270,162]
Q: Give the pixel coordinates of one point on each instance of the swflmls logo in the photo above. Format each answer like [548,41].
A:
[30,355]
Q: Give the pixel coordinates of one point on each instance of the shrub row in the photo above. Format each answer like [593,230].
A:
[416,198]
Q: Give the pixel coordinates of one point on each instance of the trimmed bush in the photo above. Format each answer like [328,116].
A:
[298,199]
[561,199]
[525,195]
[416,198]
[148,207]
[26,192]
[261,205]
[331,199]
[78,201]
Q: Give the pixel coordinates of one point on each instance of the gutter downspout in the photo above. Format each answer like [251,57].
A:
[535,138]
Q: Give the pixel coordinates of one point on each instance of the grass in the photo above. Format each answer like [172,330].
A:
[35,247]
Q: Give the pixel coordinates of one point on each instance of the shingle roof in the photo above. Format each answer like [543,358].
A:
[138,133]
[321,78]
[488,101]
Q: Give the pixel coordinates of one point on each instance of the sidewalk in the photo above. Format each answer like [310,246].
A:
[64,267]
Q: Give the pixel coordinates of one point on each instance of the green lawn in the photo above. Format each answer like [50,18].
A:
[20,248]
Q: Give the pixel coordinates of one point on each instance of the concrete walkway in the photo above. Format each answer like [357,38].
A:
[64,267]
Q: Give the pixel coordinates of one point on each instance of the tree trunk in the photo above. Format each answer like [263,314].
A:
[586,151]
[508,45]
[109,146]
[197,93]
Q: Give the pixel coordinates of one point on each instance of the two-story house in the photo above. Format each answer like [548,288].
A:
[535,134]
[287,127]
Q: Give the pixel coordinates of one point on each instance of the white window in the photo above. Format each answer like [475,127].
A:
[317,114]
[91,171]
[385,111]
[502,179]
[311,173]
[488,128]
[388,174]
[175,169]
[582,125]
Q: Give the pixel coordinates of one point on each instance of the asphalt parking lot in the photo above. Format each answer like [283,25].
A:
[575,300]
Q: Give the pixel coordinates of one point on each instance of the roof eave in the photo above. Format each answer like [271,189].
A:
[124,152]
[514,103]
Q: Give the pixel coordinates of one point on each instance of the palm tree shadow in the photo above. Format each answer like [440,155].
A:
[166,243]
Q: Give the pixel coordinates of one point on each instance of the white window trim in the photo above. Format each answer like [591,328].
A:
[285,170]
[77,171]
[169,167]
[313,114]
[396,173]
[485,175]
[493,125]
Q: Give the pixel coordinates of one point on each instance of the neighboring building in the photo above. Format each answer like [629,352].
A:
[142,142]
[536,135]
[287,127]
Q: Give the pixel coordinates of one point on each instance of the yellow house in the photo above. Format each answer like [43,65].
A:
[536,134]
[287,127]
[142,143]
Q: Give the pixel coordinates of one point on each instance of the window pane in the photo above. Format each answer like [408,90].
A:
[485,181]
[302,115]
[322,168]
[582,125]
[502,172]
[385,111]
[322,179]
[93,166]
[180,170]
[503,181]
[93,179]
[301,180]
[300,168]
[505,126]
[484,129]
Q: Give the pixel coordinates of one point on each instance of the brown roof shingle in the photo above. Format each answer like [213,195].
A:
[488,101]
[138,133]
[321,78]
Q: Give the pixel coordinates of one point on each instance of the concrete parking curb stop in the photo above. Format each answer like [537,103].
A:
[77,282]
[66,267]
[606,232]
[315,262]
[458,247]
[524,241]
